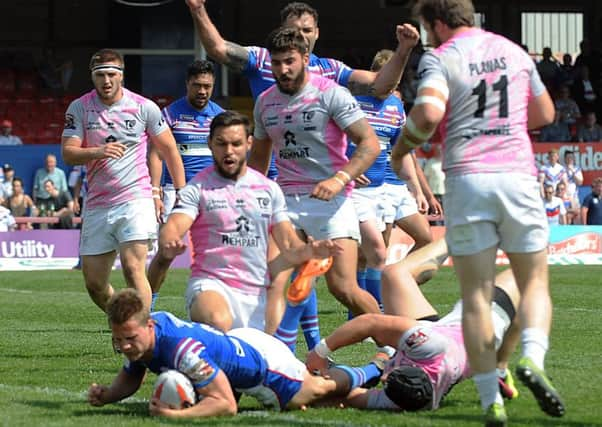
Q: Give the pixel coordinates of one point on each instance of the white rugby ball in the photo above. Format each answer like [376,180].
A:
[174,389]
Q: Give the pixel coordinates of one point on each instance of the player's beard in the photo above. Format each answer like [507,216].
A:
[225,173]
[293,85]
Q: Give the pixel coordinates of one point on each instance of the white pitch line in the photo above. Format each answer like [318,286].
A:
[51,391]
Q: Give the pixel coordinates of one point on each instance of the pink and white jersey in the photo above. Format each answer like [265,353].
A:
[232,220]
[439,351]
[130,121]
[306,130]
[490,81]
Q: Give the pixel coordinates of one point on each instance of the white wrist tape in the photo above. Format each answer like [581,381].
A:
[431,100]
[436,84]
[418,133]
[322,349]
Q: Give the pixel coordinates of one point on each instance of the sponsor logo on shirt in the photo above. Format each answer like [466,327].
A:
[215,204]
[93,126]
[129,124]
[243,235]
[292,152]
[271,121]
[69,122]
[416,339]
[308,116]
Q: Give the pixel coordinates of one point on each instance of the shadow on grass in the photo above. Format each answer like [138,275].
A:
[122,408]
[459,419]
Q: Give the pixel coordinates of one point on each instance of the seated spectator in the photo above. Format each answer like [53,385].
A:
[591,209]
[566,76]
[589,131]
[6,136]
[552,173]
[571,204]
[49,172]
[56,74]
[7,221]
[566,106]
[574,174]
[556,131]
[60,205]
[20,204]
[7,184]
[548,69]
[555,210]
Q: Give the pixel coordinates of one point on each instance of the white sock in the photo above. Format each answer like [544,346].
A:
[488,389]
[501,373]
[535,345]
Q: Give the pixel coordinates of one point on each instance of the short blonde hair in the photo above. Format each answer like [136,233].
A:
[380,59]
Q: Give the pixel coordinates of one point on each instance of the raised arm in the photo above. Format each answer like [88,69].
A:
[225,52]
[261,155]
[363,82]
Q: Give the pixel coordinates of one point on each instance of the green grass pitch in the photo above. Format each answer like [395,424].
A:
[54,342]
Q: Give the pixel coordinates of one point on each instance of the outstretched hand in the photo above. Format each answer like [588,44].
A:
[323,248]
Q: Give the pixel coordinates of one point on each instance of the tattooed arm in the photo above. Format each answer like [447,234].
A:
[225,52]
[368,149]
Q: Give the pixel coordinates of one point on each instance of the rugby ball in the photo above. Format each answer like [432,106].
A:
[174,389]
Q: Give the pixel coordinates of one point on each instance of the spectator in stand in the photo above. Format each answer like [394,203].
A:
[566,76]
[60,205]
[55,73]
[591,210]
[588,58]
[548,69]
[7,221]
[585,91]
[20,204]
[6,136]
[7,184]
[571,204]
[574,174]
[557,131]
[566,106]
[49,172]
[552,173]
[590,130]
[555,210]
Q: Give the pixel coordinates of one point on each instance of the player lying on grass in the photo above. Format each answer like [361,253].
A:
[430,357]
[244,360]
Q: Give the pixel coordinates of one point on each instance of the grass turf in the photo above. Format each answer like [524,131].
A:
[54,342]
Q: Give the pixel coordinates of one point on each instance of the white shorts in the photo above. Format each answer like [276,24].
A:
[368,203]
[285,373]
[334,219]
[104,229]
[247,310]
[169,198]
[398,202]
[495,209]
